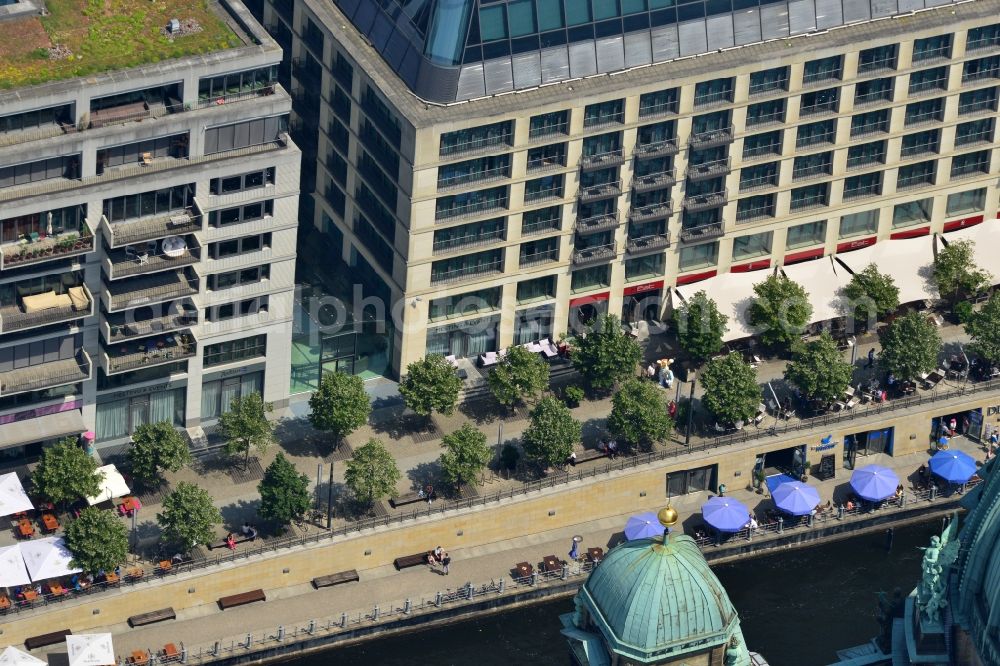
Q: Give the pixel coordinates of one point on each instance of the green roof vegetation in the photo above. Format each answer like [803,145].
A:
[84,37]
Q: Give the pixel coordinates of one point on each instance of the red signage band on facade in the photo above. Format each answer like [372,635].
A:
[803,256]
[856,244]
[910,233]
[695,277]
[592,298]
[643,288]
[758,265]
[964,222]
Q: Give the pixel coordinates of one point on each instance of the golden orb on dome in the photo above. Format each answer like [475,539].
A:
[667,517]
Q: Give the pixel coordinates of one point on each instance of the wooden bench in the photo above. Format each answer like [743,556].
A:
[411,560]
[589,455]
[43,640]
[408,498]
[241,599]
[152,617]
[222,543]
[349,576]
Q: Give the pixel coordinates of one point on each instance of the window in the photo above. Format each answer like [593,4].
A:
[935,78]
[911,175]
[153,202]
[931,48]
[26,120]
[251,275]
[970,164]
[755,245]
[877,59]
[339,136]
[538,289]
[31,172]
[975,132]
[912,212]
[710,123]
[543,188]
[539,251]
[713,92]
[977,101]
[337,166]
[807,166]
[811,233]
[859,223]
[659,102]
[981,69]
[540,220]
[244,134]
[466,235]
[699,256]
[244,308]
[470,171]
[604,113]
[872,122]
[760,175]
[769,80]
[763,113]
[640,268]
[217,396]
[227,85]
[655,134]
[342,70]
[381,115]
[919,143]
[245,181]
[864,185]
[175,146]
[461,305]
[982,37]
[756,145]
[476,138]
[376,245]
[591,278]
[755,207]
[336,198]
[960,203]
[254,211]
[926,111]
[479,263]
[866,154]
[376,212]
[553,154]
[117,418]
[873,92]
[237,246]
[812,134]
[468,203]
[824,69]
[810,195]
[821,101]
[602,144]
[545,124]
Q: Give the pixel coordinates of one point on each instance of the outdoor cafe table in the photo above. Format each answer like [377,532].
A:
[551,563]
[170,651]
[50,522]
[56,588]
[29,595]
[111,578]
[595,554]
[25,528]
[524,569]
[4,603]
[139,657]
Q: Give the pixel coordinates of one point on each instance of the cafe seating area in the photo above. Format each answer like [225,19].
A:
[553,566]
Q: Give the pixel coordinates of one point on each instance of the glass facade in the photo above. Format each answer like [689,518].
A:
[218,395]
[117,419]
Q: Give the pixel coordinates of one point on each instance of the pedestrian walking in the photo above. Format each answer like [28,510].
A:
[871,358]
[445,563]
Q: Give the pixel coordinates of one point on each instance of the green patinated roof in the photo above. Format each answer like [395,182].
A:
[652,600]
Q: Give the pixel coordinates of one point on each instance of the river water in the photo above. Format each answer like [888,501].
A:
[796,608]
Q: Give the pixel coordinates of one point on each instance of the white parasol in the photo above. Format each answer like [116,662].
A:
[12,569]
[112,485]
[90,650]
[13,499]
[47,558]
[14,657]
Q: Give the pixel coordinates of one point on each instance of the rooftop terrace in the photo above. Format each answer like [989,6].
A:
[83,37]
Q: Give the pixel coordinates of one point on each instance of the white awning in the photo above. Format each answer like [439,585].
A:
[910,262]
[90,650]
[14,657]
[985,238]
[41,428]
[112,485]
[13,499]
[47,558]
[823,279]
[733,294]
[12,569]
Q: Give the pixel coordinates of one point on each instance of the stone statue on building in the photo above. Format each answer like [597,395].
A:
[732,652]
[938,558]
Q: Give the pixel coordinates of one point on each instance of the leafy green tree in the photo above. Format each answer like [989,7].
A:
[781,310]
[549,438]
[284,492]
[466,455]
[910,346]
[871,294]
[984,329]
[188,517]
[430,385]
[66,473]
[519,376]
[956,273]
[340,405]
[606,355]
[731,392]
[157,447]
[819,370]
[245,426]
[639,414]
[97,539]
[700,326]
[371,472]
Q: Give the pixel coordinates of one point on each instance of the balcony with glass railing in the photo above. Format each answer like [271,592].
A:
[713,98]
[602,191]
[701,232]
[596,254]
[763,119]
[131,355]
[46,309]
[47,375]
[770,87]
[648,243]
[872,98]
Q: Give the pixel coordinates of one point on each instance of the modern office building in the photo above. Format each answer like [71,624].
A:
[148,234]
[507,170]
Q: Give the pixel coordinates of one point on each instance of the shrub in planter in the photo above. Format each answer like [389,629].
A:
[573,396]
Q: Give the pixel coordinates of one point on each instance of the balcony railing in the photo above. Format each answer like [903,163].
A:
[595,223]
[711,138]
[650,211]
[603,120]
[985,136]
[879,65]
[499,141]
[777,116]
[859,161]
[912,119]
[470,209]
[759,183]
[602,191]
[654,181]
[754,152]
[127,232]
[983,43]
[51,248]
[753,214]
[539,226]
[903,182]
[918,149]
[701,232]
[808,201]
[539,131]
[868,129]
[814,78]
[148,290]
[938,53]
[705,201]
[554,192]
[469,240]
[599,161]
[47,375]
[862,191]
[535,258]
[546,162]
[969,170]
[166,348]
[464,273]
[981,75]
[657,148]
[874,97]
[18,318]
[717,97]
[708,170]
[815,139]
[927,85]
[661,109]
[819,107]
[812,171]
[647,243]
[152,257]
[979,106]
[595,254]
[474,177]
[122,328]
[769,87]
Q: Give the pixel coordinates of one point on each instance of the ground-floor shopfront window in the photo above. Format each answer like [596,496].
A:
[468,338]
[690,481]
[218,395]
[533,324]
[120,418]
[585,312]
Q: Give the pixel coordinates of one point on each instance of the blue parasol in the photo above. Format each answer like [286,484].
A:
[643,526]
[874,483]
[795,498]
[725,514]
[953,466]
